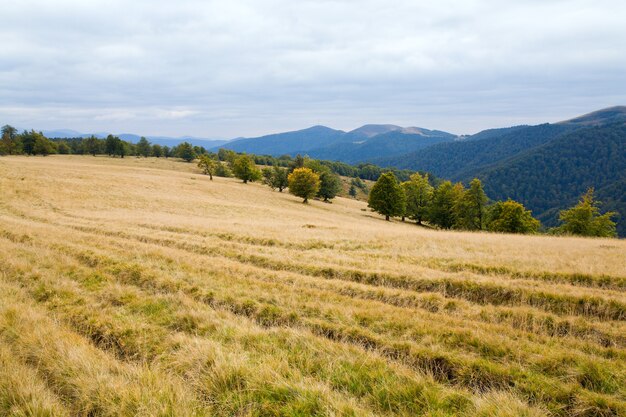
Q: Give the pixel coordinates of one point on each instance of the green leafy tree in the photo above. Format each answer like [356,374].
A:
[157,151]
[226,155]
[276,177]
[330,185]
[122,148]
[471,207]
[185,152]
[207,165]
[63,148]
[43,146]
[352,191]
[143,147]
[358,183]
[245,169]
[298,162]
[442,212]
[387,196]
[28,142]
[167,152]
[419,193]
[584,219]
[511,217]
[303,183]
[10,143]
[92,146]
[222,170]
[111,145]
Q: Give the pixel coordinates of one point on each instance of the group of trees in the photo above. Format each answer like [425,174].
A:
[452,206]
[29,143]
[305,178]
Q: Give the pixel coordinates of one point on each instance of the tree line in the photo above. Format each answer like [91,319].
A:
[35,143]
[453,206]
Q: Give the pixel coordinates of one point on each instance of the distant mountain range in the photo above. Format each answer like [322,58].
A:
[130,137]
[363,144]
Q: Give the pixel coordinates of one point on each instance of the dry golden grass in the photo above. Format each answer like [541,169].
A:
[139,287]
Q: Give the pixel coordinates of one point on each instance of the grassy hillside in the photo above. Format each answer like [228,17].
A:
[139,287]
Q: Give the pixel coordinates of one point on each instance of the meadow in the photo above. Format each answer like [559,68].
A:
[139,287]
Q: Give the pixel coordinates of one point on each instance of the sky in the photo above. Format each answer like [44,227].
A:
[223,69]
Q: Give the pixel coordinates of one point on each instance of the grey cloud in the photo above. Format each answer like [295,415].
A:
[228,68]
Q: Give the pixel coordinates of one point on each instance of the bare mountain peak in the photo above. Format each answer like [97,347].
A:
[371,130]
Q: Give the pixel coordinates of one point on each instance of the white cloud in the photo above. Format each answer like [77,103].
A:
[229,68]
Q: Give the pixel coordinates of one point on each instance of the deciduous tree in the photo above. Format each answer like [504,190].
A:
[10,143]
[157,151]
[185,152]
[471,207]
[442,208]
[245,169]
[43,146]
[91,145]
[419,193]
[387,196]
[276,177]
[304,183]
[143,147]
[207,165]
[584,219]
[511,217]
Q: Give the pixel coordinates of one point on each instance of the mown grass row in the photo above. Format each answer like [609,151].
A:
[444,368]
[470,290]
[361,375]
[578,279]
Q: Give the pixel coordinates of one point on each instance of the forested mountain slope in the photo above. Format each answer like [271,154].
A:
[390,144]
[454,159]
[552,177]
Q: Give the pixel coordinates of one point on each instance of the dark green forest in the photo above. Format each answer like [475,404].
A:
[552,177]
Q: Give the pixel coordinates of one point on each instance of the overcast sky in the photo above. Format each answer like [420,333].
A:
[229,68]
